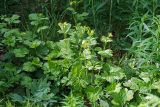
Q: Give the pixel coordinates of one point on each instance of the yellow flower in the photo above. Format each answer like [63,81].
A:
[110,34]
[90,32]
[85,44]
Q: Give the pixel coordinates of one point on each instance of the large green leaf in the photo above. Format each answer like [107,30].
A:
[28,66]
[21,52]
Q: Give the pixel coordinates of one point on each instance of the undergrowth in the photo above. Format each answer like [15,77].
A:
[76,53]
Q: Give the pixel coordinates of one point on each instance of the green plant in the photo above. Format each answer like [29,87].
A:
[71,57]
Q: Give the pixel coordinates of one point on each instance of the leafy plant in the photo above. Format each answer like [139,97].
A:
[95,53]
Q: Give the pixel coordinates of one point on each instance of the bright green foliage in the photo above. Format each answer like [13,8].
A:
[72,62]
[83,53]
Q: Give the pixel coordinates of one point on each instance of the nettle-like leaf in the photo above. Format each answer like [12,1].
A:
[21,52]
[29,67]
